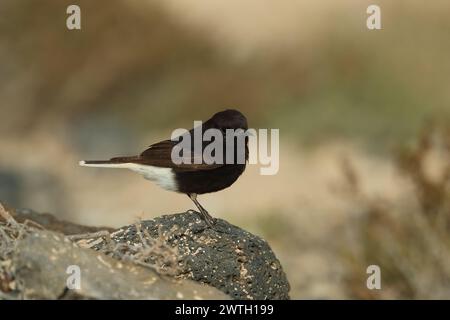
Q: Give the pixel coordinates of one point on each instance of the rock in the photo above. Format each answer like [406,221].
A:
[233,260]
[43,257]
[49,222]
[170,257]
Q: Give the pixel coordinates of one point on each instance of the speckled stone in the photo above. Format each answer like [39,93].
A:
[231,259]
[41,260]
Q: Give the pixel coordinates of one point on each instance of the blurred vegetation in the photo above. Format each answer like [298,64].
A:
[409,240]
[135,68]
[136,65]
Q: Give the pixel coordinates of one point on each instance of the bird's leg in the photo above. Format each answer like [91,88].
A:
[206,216]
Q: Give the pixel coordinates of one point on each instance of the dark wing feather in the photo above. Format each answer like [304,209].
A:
[160,155]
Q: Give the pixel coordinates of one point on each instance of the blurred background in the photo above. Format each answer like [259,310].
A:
[363,118]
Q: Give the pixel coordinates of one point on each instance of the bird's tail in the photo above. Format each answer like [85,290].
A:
[118,162]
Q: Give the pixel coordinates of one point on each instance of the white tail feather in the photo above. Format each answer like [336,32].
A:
[164,177]
[106,165]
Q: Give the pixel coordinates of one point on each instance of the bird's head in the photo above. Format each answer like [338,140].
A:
[228,119]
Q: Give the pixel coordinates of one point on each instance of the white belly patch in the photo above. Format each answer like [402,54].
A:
[163,177]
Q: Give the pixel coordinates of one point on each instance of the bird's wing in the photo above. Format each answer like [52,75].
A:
[160,155]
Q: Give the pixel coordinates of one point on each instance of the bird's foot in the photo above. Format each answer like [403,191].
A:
[204,215]
[210,221]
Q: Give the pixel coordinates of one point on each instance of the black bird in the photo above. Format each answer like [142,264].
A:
[192,178]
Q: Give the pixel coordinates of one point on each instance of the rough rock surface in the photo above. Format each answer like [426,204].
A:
[42,259]
[231,259]
[49,222]
[170,257]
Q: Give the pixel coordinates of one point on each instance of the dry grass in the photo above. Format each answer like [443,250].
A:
[10,233]
[408,239]
[149,252]
[154,253]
